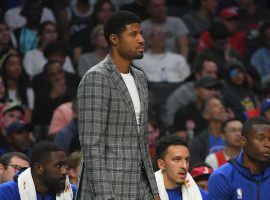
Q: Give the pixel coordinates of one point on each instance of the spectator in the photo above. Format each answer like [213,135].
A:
[74,160]
[210,140]
[6,45]
[52,87]
[219,49]
[265,109]
[200,173]
[184,94]
[12,112]
[231,134]
[188,120]
[19,137]
[34,60]
[90,59]
[3,99]
[159,64]
[27,35]
[10,164]
[173,179]
[260,58]
[15,19]
[230,18]
[246,176]
[236,93]
[199,20]
[45,179]
[138,7]
[250,19]
[175,29]
[17,84]
[57,52]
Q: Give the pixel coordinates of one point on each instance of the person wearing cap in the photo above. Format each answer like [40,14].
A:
[236,92]
[200,173]
[209,140]
[13,111]
[173,179]
[231,134]
[248,175]
[189,117]
[19,137]
[229,17]
[265,108]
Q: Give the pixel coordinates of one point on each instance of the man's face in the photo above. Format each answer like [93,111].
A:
[56,73]
[157,10]
[232,133]
[157,39]
[4,35]
[257,144]
[203,184]
[131,43]
[104,13]
[206,93]
[210,5]
[20,141]
[11,116]
[8,171]
[219,45]
[174,165]
[214,111]
[55,171]
[210,69]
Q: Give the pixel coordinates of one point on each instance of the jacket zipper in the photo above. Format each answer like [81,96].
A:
[258,194]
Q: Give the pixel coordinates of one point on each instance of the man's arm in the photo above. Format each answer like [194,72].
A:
[93,98]
[219,188]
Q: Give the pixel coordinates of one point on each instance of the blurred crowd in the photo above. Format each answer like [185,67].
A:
[207,64]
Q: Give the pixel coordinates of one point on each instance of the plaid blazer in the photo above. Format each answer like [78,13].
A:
[112,144]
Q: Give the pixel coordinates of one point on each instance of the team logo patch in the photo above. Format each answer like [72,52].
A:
[239,193]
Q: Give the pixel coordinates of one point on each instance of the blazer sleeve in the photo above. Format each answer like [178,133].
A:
[93,98]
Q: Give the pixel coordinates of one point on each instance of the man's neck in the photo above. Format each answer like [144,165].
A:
[255,167]
[214,127]
[121,63]
[232,151]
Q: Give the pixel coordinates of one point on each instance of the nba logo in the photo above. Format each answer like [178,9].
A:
[239,193]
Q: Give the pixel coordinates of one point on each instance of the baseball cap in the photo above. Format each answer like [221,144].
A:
[12,106]
[18,127]
[207,82]
[201,172]
[228,13]
[265,106]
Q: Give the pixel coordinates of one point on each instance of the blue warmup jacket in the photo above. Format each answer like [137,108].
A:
[10,191]
[233,181]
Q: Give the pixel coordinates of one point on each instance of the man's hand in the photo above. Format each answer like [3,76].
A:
[156,197]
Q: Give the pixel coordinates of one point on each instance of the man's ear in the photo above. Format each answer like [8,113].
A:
[38,169]
[114,39]
[243,141]
[2,168]
[161,164]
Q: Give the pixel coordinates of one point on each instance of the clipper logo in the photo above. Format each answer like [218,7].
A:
[239,193]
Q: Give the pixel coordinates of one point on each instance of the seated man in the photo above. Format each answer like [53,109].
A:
[10,164]
[174,181]
[45,179]
[248,175]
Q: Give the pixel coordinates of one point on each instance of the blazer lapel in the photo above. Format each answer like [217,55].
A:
[120,84]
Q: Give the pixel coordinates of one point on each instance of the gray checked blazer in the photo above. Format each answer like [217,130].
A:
[113,146]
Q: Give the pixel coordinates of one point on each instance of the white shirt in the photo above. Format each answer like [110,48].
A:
[164,67]
[132,89]
[14,19]
[34,62]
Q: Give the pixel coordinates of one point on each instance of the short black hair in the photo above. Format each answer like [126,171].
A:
[199,64]
[166,141]
[218,31]
[248,126]
[55,48]
[117,22]
[264,27]
[224,124]
[5,158]
[49,63]
[42,151]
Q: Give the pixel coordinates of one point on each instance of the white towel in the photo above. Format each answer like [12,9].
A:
[27,188]
[190,190]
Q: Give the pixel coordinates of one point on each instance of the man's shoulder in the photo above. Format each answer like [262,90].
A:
[9,191]
[224,171]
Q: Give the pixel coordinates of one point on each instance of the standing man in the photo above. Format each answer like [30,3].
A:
[248,175]
[174,181]
[112,102]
